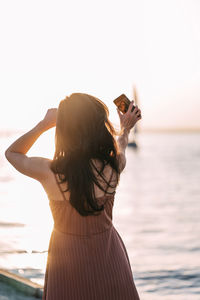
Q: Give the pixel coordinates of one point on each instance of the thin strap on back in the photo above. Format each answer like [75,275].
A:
[104,193]
[109,183]
[60,187]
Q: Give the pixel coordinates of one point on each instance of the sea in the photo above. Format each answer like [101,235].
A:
[156,212]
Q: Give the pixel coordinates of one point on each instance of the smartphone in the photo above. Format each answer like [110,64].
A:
[122,102]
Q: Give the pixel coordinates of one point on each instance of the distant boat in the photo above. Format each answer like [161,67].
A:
[132,141]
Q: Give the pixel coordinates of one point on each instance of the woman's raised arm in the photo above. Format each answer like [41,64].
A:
[127,121]
[34,167]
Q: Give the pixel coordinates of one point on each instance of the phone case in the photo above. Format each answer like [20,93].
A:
[122,102]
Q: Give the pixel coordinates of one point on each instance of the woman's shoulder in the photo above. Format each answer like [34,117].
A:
[46,166]
[121,157]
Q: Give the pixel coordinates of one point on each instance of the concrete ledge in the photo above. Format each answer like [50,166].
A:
[21,284]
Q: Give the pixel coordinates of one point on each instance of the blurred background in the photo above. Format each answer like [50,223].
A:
[147,49]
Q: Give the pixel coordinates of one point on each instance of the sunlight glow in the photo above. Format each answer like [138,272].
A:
[102,49]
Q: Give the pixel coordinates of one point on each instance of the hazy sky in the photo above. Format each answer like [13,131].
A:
[50,49]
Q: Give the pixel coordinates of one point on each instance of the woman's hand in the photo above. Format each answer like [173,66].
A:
[49,120]
[129,119]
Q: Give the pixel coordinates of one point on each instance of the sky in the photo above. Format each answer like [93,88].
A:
[50,49]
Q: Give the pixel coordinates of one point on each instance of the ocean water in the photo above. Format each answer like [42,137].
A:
[156,212]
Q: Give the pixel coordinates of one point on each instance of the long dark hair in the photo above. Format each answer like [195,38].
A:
[83,132]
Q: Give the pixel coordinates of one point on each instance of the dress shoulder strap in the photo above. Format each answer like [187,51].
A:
[59,187]
[109,183]
[104,193]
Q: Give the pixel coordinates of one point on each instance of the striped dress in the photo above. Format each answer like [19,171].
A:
[87,259]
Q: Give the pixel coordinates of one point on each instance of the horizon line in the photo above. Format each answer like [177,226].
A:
[8,132]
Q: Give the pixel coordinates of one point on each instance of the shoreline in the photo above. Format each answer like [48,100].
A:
[20,284]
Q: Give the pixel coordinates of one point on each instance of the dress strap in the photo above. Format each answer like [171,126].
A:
[60,187]
[109,183]
[104,193]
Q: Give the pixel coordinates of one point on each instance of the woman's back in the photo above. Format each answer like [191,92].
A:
[86,251]
[87,259]
[67,219]
[54,193]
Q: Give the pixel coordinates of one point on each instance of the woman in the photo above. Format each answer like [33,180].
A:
[87,259]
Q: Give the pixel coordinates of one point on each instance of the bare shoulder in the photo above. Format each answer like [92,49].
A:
[122,160]
[45,167]
[48,179]
[46,162]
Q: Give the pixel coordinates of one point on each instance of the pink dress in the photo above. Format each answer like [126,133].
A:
[87,259]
